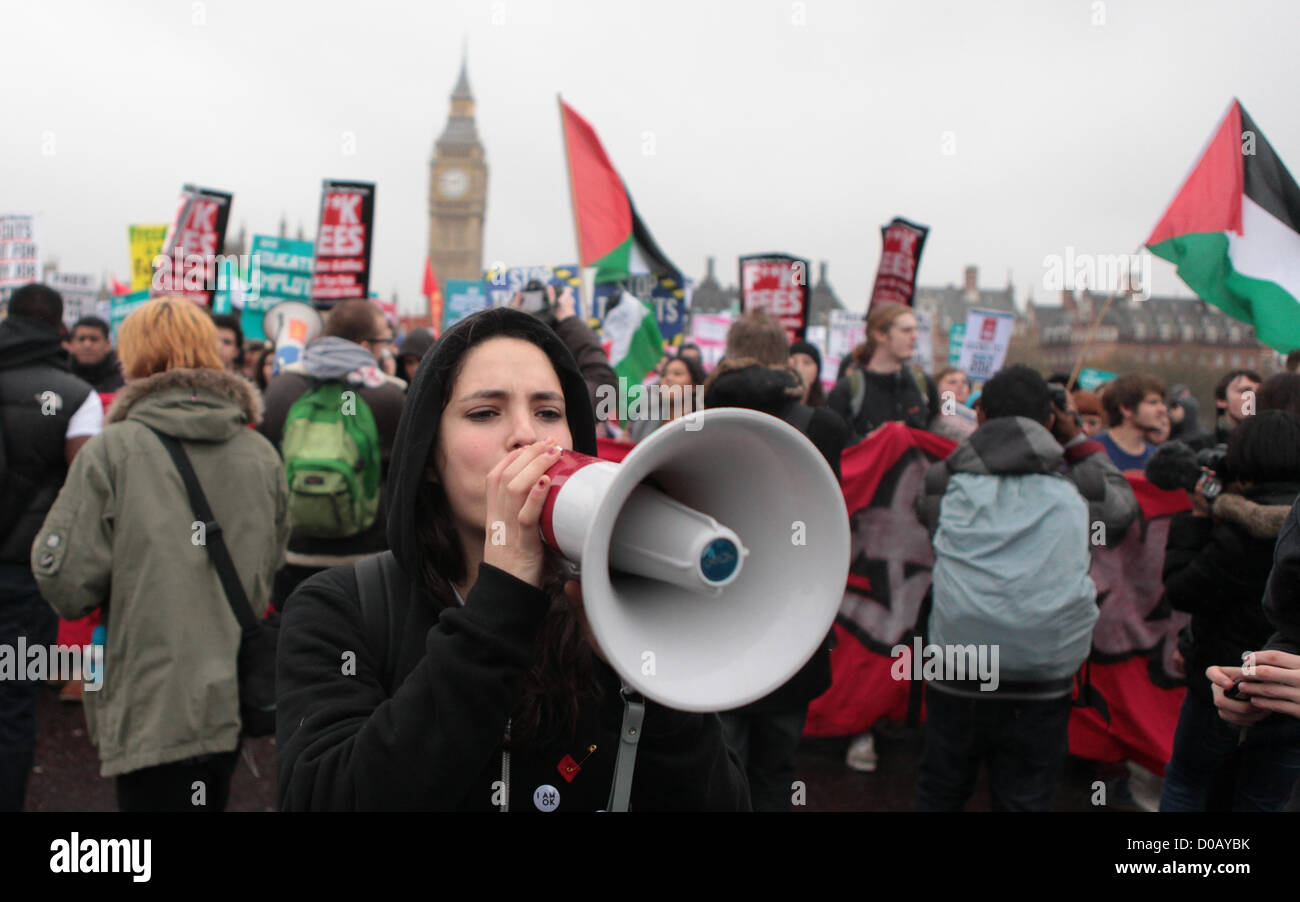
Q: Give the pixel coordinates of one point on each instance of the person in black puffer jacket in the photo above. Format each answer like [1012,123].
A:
[755,374]
[1217,563]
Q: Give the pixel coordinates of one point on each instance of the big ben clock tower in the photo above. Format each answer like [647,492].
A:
[458,192]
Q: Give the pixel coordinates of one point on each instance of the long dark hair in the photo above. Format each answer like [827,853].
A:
[563,675]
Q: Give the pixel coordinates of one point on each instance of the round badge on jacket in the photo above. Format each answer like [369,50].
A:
[546,797]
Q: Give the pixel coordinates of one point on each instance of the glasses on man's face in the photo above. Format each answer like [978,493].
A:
[380,341]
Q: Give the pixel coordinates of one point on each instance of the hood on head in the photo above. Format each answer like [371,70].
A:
[416,344]
[24,341]
[417,431]
[1007,446]
[1191,425]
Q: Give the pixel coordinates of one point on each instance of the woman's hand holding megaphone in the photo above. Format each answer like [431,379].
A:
[516,491]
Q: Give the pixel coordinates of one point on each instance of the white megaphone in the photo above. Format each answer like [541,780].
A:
[292,325]
[713,558]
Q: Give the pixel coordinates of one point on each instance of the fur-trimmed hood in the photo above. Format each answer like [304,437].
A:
[744,382]
[194,404]
[1259,517]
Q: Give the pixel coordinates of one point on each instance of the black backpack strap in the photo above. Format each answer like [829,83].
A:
[377,584]
[1089,695]
[213,540]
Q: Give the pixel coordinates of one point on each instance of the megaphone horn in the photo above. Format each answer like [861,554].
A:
[713,558]
[292,325]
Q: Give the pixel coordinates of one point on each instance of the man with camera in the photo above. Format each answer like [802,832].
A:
[561,314]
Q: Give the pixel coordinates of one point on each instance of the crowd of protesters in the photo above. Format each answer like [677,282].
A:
[97,523]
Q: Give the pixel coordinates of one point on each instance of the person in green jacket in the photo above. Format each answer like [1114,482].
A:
[122,537]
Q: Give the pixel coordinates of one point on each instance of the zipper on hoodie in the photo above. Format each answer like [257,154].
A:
[505,769]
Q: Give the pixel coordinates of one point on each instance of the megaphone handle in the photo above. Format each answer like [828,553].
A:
[625,763]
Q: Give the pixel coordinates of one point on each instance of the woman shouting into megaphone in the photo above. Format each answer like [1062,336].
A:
[459,675]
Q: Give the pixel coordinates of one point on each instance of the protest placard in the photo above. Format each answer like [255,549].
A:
[984,345]
[20,253]
[778,285]
[343,242]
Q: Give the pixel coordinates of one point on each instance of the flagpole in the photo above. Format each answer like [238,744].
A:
[1092,331]
[573,199]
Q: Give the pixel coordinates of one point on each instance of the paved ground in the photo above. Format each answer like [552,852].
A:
[66,776]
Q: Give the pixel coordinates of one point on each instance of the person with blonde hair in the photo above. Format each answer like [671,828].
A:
[123,537]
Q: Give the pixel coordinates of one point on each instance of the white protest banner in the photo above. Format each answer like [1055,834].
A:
[709,333]
[923,356]
[847,330]
[20,253]
[80,294]
[984,346]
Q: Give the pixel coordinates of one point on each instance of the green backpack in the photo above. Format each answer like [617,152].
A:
[331,458]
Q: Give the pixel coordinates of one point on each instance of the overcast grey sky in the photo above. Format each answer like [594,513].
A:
[738,127]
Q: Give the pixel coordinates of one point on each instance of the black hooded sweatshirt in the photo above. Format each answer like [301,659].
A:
[104,377]
[435,741]
[32,462]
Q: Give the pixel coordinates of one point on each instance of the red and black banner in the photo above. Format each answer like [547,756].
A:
[899,260]
[344,240]
[1133,643]
[194,239]
[1131,669]
[891,557]
[778,285]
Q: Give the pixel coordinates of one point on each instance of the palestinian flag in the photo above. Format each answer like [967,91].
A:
[632,339]
[1233,231]
[611,236]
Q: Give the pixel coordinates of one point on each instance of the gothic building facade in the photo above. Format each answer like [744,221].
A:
[458,191]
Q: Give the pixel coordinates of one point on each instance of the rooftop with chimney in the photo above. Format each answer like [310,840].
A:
[1132,319]
[950,304]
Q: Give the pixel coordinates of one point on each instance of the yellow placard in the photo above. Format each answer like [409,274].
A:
[146,243]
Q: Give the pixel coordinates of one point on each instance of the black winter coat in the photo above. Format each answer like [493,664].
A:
[1217,571]
[888,397]
[776,392]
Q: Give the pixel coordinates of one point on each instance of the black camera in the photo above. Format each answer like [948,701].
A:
[1213,461]
[533,299]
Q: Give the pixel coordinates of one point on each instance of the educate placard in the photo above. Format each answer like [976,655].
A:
[281,270]
[464,297]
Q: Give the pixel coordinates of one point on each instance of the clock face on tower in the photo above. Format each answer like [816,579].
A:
[453,183]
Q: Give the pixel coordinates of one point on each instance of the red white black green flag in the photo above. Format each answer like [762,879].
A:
[1233,231]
